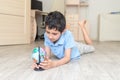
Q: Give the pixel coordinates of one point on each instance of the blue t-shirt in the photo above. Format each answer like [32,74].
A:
[66,41]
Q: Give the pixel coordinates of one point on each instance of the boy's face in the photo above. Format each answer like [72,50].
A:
[53,34]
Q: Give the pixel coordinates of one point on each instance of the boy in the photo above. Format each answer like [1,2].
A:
[60,42]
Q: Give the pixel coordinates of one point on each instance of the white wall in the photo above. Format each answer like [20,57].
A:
[47,5]
[52,5]
[95,8]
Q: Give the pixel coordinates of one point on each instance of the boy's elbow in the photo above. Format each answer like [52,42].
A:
[67,59]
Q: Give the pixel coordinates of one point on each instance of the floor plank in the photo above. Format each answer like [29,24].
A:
[103,64]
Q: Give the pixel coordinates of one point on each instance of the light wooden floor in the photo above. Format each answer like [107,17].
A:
[104,64]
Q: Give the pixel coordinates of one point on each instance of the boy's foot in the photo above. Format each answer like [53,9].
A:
[82,23]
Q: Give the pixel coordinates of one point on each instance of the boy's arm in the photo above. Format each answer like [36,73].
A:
[65,59]
[48,51]
[47,64]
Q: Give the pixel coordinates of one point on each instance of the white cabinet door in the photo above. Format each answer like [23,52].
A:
[14,22]
[109,28]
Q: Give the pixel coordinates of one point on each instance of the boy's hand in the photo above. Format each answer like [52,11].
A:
[34,65]
[47,64]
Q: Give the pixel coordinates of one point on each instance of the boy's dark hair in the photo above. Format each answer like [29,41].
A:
[55,20]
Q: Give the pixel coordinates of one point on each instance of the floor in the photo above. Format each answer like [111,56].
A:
[103,64]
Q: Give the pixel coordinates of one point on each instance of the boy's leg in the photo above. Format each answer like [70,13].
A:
[85,33]
[85,48]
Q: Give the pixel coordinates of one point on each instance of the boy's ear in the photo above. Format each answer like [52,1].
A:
[64,30]
[67,27]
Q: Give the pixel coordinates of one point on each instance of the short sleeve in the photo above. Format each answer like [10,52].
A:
[46,40]
[69,41]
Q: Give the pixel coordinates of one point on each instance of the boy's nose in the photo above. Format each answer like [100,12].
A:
[50,36]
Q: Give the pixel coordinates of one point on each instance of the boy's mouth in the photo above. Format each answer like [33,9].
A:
[52,40]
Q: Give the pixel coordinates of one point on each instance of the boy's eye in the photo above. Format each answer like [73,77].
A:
[54,33]
[48,32]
